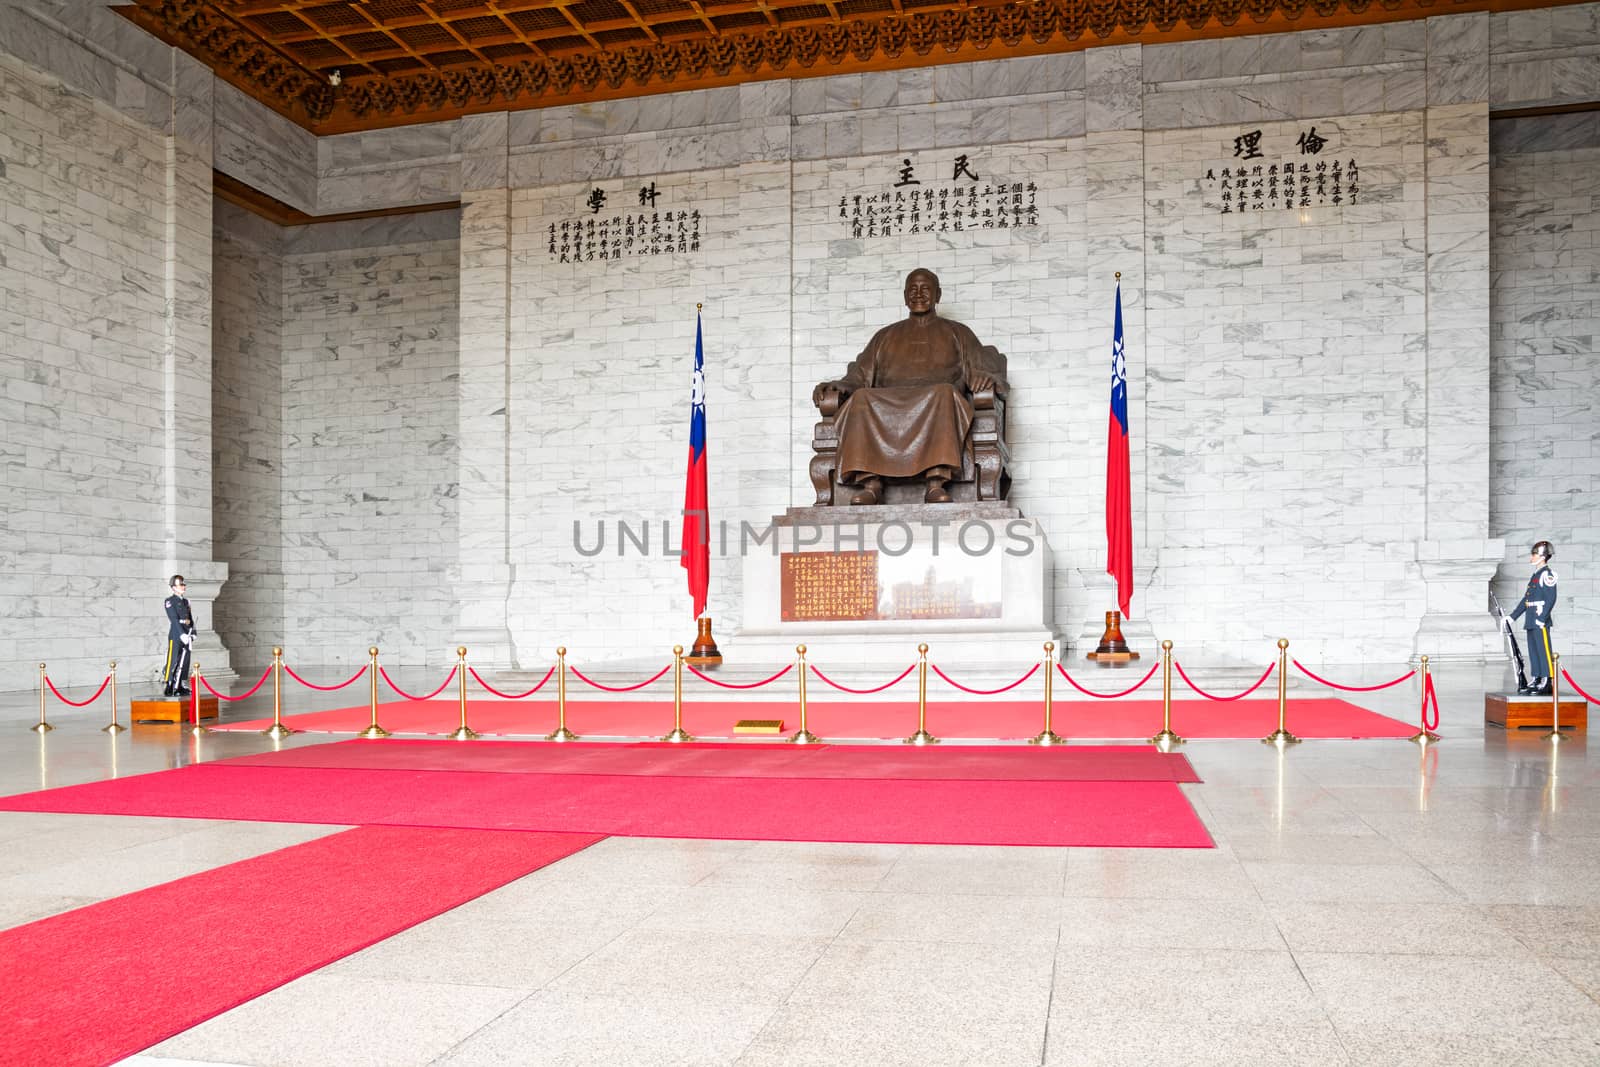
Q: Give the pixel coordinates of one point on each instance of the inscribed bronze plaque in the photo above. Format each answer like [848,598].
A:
[829,586]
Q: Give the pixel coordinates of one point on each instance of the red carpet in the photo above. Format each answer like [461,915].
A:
[1078,763]
[1309,717]
[97,984]
[934,812]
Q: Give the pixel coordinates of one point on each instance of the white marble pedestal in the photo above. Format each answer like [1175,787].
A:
[986,559]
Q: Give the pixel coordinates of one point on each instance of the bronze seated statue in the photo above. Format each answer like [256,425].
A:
[919,416]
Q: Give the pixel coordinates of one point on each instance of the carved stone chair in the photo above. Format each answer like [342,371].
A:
[985,461]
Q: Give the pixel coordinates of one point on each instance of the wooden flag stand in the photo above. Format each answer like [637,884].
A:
[1113,650]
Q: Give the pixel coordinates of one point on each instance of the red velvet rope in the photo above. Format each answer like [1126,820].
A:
[253,689]
[447,680]
[1211,696]
[620,688]
[985,692]
[860,692]
[512,696]
[1430,696]
[1576,688]
[1351,688]
[323,688]
[1106,696]
[733,685]
[74,703]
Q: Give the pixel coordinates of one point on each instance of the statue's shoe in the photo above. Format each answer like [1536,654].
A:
[936,494]
[864,497]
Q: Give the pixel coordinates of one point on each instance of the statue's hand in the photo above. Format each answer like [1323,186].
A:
[980,383]
[823,391]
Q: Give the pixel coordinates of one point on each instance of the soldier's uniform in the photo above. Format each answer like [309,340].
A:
[1537,607]
[180,621]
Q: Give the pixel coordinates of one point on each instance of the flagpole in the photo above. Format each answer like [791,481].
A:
[703,651]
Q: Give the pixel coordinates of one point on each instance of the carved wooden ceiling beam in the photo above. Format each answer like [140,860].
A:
[524,67]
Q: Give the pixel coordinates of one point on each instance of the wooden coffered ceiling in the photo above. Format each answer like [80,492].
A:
[404,61]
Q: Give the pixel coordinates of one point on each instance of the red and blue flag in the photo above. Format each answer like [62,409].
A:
[696,549]
[1119,493]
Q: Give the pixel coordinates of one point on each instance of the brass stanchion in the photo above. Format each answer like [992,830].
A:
[1282,736]
[1047,736]
[113,727]
[922,736]
[462,732]
[41,727]
[1423,734]
[678,734]
[1166,738]
[373,730]
[194,696]
[1555,698]
[803,736]
[277,731]
[561,733]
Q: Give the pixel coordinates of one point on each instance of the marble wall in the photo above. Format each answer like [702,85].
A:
[1307,374]
[247,406]
[369,476]
[1545,423]
[104,429]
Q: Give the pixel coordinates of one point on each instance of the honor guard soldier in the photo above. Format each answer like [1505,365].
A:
[180,640]
[1538,604]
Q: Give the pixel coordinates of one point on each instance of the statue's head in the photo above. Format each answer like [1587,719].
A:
[922,291]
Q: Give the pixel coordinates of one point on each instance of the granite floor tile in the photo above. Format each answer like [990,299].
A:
[1299,1041]
[1377,883]
[980,870]
[460,950]
[757,911]
[1551,931]
[579,1031]
[1391,1048]
[807,865]
[1135,989]
[18,910]
[1141,923]
[1504,996]
[955,917]
[831,1036]
[354,1022]
[945,978]
[1166,874]
[667,966]
[1424,929]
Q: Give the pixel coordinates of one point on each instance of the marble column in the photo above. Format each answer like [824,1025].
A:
[186,358]
[1457,558]
[1114,164]
[485,573]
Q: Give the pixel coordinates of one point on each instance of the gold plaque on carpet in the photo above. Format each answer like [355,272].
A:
[758,726]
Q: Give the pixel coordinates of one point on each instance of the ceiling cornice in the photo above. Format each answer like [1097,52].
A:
[223,38]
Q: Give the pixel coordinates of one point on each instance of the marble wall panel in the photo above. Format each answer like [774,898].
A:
[1286,393]
[265,150]
[1545,322]
[601,353]
[369,477]
[247,414]
[83,392]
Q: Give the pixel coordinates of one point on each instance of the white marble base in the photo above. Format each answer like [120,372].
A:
[1020,578]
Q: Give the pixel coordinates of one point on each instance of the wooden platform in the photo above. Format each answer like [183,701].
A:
[170,709]
[1518,712]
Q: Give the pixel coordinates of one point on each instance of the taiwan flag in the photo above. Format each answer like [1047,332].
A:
[696,557]
[1119,495]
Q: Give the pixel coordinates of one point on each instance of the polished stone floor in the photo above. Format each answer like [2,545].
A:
[1366,904]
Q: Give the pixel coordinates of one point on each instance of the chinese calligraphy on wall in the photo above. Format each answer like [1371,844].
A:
[650,231]
[1254,181]
[911,204]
